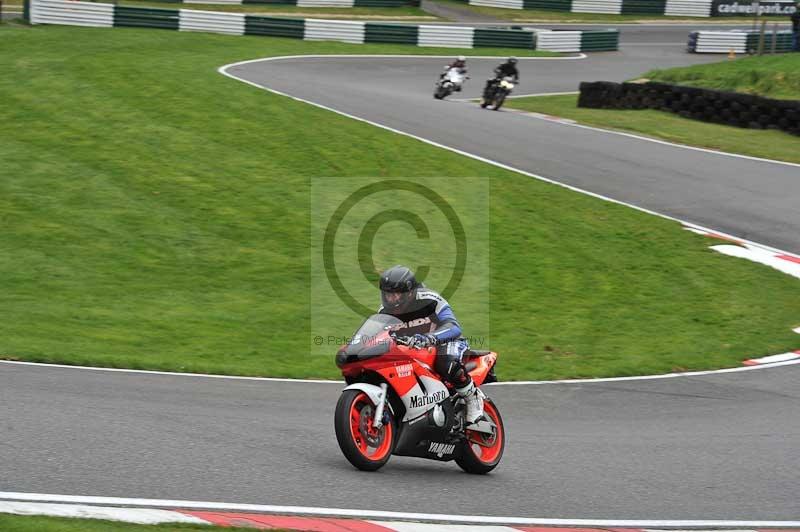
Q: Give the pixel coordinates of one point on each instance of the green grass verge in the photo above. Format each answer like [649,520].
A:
[771,76]
[769,144]
[16,523]
[155,215]
[383,13]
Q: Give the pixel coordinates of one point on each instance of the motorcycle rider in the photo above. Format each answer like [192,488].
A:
[460,63]
[429,321]
[507,69]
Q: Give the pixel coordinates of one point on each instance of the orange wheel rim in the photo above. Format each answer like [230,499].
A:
[373,444]
[487,448]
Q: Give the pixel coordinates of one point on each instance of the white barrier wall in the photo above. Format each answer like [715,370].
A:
[507,4]
[110,15]
[446,36]
[325,3]
[215,2]
[688,8]
[212,21]
[72,13]
[334,30]
[558,41]
[613,7]
[721,42]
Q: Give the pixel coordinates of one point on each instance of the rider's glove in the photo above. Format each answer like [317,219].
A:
[421,341]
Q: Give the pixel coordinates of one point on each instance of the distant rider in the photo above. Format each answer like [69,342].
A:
[460,63]
[507,69]
[429,321]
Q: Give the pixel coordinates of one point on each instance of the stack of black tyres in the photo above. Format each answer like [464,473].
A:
[730,108]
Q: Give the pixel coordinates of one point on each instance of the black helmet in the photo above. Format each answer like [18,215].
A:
[398,289]
[512,60]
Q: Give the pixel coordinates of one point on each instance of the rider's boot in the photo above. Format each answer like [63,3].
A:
[473,400]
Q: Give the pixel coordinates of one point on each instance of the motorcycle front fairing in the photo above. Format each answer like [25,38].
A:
[370,340]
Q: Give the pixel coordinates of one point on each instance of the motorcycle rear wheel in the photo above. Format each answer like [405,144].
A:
[479,459]
[364,446]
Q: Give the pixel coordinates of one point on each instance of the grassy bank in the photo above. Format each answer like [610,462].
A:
[156,215]
[775,76]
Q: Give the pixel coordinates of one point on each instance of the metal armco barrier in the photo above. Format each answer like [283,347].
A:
[740,41]
[109,15]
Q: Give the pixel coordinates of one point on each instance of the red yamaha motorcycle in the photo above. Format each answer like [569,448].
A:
[396,404]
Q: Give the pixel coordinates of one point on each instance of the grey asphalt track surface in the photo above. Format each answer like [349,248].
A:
[718,446]
[751,199]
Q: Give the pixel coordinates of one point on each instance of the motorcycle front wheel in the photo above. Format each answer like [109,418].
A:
[481,452]
[499,100]
[364,446]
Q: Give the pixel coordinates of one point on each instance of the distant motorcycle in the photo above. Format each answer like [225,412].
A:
[451,82]
[497,92]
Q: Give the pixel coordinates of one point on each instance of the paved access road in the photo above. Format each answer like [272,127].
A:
[707,447]
[750,199]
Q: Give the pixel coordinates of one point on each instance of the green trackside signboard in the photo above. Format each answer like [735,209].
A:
[734,8]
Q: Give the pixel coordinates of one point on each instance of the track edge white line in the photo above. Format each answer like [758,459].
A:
[382,515]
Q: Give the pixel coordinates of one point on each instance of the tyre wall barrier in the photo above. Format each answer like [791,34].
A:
[740,41]
[675,8]
[729,108]
[109,15]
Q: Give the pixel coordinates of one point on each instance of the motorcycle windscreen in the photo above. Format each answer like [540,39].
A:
[370,340]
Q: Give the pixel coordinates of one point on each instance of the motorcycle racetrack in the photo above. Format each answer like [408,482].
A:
[716,446]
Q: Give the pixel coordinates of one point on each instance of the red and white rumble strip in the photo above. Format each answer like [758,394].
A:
[780,260]
[152,511]
[783,357]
